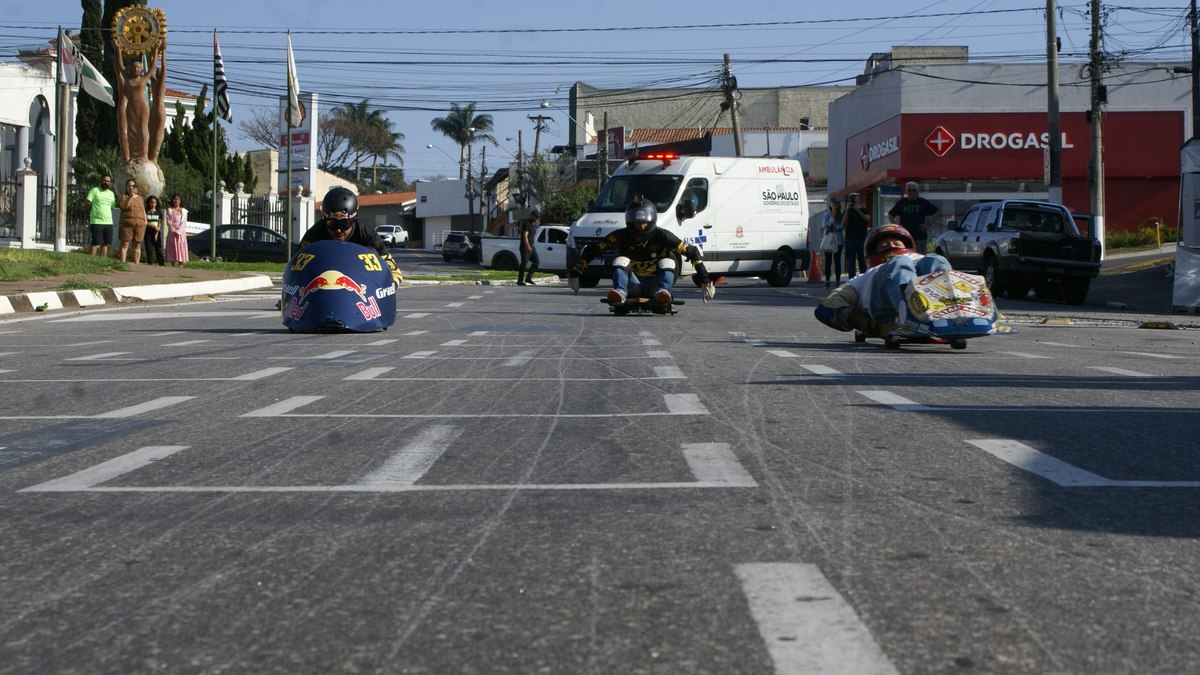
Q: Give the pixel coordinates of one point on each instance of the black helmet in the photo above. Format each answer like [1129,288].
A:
[339,200]
[642,211]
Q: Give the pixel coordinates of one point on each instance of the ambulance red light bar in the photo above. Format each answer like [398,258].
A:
[664,157]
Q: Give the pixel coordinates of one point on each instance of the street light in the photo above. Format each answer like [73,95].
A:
[574,148]
[470,180]
[431,146]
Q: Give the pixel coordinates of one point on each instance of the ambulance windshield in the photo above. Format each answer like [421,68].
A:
[619,191]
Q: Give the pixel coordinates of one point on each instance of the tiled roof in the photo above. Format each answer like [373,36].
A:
[387,199]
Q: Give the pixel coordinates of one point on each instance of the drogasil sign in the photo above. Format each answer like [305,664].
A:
[941,141]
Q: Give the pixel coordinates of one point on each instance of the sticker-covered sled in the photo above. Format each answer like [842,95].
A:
[948,307]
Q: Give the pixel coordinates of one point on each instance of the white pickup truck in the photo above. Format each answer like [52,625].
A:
[550,241]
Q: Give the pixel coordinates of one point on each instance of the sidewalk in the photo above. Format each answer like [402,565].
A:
[138,284]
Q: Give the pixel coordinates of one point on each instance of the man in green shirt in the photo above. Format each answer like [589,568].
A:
[101,200]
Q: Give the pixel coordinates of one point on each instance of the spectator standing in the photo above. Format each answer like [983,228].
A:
[915,214]
[154,238]
[833,225]
[857,225]
[176,219]
[133,222]
[101,201]
[529,254]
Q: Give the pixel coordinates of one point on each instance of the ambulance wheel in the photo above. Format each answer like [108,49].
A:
[891,342]
[860,336]
[958,343]
[782,269]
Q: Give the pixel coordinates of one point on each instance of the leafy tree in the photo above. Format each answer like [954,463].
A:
[544,179]
[263,128]
[464,127]
[189,147]
[570,204]
[87,118]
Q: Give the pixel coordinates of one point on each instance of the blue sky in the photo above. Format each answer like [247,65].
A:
[413,59]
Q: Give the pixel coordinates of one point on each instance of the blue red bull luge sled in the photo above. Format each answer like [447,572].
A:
[947,307]
[334,287]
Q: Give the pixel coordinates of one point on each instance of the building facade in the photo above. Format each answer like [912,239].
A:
[968,132]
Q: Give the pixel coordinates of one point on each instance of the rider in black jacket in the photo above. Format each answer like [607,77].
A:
[644,252]
[340,207]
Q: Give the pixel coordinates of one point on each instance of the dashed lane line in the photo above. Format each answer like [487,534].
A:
[1121,371]
[713,465]
[677,404]
[120,413]
[1059,472]
[806,625]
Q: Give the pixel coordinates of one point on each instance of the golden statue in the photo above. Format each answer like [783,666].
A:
[140,49]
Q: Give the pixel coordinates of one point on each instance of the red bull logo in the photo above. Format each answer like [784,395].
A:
[333,281]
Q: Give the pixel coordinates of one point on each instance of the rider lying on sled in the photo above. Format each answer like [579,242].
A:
[870,302]
[645,252]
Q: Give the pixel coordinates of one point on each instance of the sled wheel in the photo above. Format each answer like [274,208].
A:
[860,336]
[891,342]
[958,343]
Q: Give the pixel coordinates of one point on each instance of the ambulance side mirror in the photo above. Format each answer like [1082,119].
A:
[686,208]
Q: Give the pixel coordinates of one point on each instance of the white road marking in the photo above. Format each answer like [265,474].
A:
[380,343]
[755,343]
[474,297]
[453,343]
[520,359]
[260,374]
[715,464]
[1154,356]
[186,343]
[650,342]
[456,304]
[1058,344]
[806,625]
[416,315]
[127,316]
[684,404]
[148,406]
[102,342]
[166,333]
[106,471]
[97,357]
[889,399]
[419,355]
[1057,471]
[658,354]
[712,464]
[368,374]
[669,373]
[1026,356]
[480,332]
[334,354]
[824,371]
[783,353]
[412,461]
[415,332]
[1121,371]
[283,407]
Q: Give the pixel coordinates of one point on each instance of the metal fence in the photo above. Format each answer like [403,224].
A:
[264,210]
[8,208]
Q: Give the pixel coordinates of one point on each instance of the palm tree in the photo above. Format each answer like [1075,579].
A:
[464,127]
[382,144]
[360,126]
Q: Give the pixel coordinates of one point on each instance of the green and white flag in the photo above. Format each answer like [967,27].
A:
[74,69]
[92,82]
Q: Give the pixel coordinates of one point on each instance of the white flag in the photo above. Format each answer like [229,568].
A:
[92,82]
[295,112]
[68,54]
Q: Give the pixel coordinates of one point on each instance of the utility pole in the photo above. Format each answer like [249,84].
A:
[521,169]
[483,210]
[729,84]
[539,125]
[1099,98]
[1195,73]
[1054,160]
[602,155]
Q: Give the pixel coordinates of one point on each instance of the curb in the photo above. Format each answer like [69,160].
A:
[49,300]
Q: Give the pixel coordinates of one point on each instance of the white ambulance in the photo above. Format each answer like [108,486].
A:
[748,215]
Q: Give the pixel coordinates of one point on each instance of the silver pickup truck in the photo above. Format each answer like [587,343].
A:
[1016,245]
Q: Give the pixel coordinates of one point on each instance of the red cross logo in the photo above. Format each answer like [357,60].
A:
[939,141]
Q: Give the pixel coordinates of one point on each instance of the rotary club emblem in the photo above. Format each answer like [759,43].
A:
[138,30]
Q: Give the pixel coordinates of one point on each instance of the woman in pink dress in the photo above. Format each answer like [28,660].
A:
[176,217]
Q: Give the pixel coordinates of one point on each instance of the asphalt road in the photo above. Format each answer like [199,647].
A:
[511,480]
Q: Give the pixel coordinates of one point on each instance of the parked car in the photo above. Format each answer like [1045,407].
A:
[392,235]
[1016,245]
[241,243]
[460,245]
